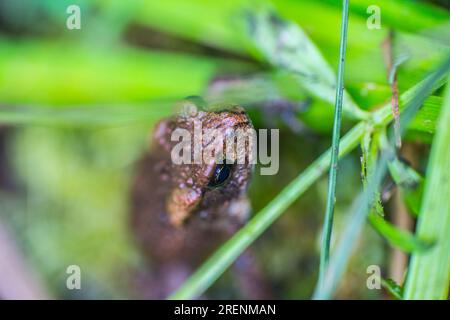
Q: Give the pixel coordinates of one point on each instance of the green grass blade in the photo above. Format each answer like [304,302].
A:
[331,198]
[86,115]
[429,272]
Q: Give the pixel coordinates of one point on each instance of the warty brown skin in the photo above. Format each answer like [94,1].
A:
[178,219]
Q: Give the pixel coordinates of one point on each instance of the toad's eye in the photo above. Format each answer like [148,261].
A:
[220,175]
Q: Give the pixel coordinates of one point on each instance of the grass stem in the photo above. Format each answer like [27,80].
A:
[328,221]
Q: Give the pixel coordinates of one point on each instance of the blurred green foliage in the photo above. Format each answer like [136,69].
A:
[79,105]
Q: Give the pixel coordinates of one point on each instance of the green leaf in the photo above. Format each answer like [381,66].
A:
[401,239]
[369,147]
[427,117]
[393,288]
[285,45]
[36,72]
[406,180]
[410,183]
